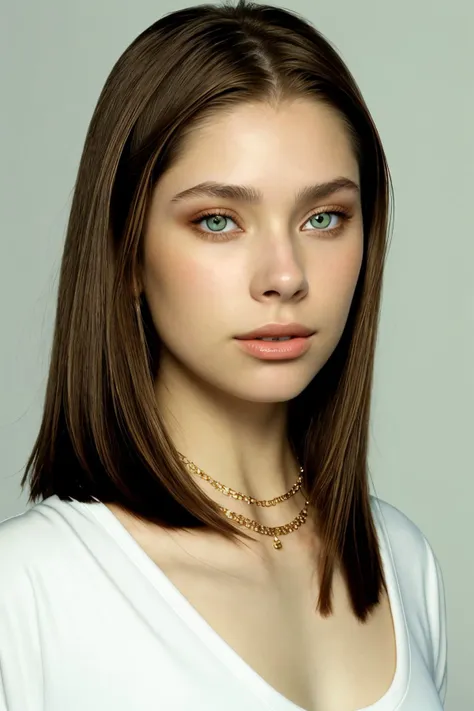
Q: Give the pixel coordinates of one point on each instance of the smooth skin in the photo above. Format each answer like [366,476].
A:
[270,261]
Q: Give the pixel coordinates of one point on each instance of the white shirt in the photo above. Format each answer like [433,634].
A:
[88,622]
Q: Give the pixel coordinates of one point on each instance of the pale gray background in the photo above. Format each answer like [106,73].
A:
[414,61]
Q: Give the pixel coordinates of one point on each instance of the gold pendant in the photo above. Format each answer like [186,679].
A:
[277,543]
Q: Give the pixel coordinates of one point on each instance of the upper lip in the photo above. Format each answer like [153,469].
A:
[277,329]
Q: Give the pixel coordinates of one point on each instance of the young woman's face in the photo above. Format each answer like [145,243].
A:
[211,278]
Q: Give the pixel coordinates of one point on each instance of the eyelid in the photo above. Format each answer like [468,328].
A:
[226,212]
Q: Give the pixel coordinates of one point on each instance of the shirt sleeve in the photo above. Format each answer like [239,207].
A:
[21,671]
[438,622]
[3,700]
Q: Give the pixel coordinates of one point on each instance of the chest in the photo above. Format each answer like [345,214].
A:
[269,619]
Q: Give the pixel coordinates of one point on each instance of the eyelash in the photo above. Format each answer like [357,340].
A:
[224,236]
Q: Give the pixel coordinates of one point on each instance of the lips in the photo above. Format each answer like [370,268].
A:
[276,330]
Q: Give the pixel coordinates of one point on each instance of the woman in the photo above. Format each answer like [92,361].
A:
[202,534]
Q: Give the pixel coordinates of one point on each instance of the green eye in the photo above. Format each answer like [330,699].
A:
[330,222]
[322,219]
[216,222]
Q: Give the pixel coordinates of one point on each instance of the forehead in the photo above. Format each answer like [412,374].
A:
[300,126]
[262,145]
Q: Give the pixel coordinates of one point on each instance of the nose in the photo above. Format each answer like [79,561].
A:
[282,277]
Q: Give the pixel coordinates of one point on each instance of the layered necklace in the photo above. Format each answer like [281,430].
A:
[274,531]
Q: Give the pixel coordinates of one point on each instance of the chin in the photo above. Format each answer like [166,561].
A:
[270,392]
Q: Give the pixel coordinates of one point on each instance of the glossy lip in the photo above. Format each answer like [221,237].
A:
[276,350]
[276,330]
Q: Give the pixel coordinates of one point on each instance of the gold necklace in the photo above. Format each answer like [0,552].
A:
[274,531]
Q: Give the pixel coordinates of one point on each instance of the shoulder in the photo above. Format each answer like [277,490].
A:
[27,547]
[401,532]
[421,585]
[21,539]
[31,544]
[397,522]
[21,535]
[406,541]
[38,551]
[411,551]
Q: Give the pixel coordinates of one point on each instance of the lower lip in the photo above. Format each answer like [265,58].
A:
[276,350]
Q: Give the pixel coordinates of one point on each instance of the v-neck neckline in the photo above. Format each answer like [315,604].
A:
[276,701]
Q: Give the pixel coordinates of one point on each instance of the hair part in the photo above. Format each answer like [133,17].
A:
[102,435]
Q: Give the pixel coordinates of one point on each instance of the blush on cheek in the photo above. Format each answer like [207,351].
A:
[199,276]
[186,280]
[345,266]
[183,271]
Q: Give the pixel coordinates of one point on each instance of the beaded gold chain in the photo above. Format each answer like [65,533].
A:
[274,531]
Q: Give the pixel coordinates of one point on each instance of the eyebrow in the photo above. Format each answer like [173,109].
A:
[249,194]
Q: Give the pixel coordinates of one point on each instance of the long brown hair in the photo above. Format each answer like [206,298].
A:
[102,434]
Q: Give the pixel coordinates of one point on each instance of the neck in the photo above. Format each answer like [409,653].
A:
[240,444]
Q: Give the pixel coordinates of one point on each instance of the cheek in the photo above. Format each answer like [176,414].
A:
[180,281]
[350,269]
[188,298]
[336,280]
